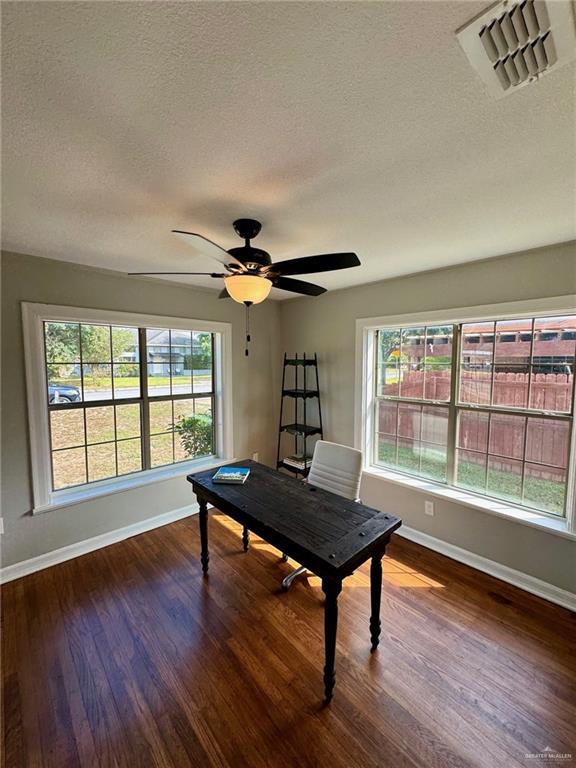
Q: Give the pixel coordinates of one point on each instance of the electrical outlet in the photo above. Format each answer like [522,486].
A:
[429,508]
[1,525]
[255,456]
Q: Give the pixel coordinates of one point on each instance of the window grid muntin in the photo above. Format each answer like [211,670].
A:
[456,407]
[143,401]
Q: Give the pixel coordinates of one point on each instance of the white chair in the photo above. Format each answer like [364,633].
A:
[335,468]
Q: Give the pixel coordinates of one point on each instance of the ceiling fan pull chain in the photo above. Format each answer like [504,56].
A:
[248,305]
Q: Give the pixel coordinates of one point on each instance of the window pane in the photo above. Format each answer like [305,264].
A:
[387,416]
[389,379]
[547,442]
[100,424]
[408,455]
[96,342]
[433,461]
[125,346]
[476,363]
[126,380]
[161,416]
[97,382]
[388,361]
[129,456]
[202,362]
[386,450]
[67,428]
[101,461]
[68,467]
[127,421]
[554,344]
[411,382]
[438,368]
[158,358]
[506,435]
[409,420]
[158,379]
[471,470]
[161,450]
[504,478]
[545,488]
[193,430]
[553,363]
[203,405]
[181,379]
[62,342]
[64,383]
[473,431]
[435,425]
[512,363]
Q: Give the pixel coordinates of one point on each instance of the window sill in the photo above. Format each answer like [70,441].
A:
[558,526]
[73,496]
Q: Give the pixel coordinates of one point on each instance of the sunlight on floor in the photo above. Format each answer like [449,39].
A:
[394,572]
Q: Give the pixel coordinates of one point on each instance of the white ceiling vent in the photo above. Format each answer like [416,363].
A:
[513,44]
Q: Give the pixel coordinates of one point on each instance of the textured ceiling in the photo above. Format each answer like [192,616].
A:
[342,126]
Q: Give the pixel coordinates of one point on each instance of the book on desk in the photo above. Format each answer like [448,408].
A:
[233,475]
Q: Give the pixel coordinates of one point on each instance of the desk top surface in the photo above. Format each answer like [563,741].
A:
[334,534]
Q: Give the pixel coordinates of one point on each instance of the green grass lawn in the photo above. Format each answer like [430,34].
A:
[94,382]
[81,456]
[539,493]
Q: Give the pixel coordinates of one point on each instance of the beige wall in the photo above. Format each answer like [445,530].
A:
[326,325]
[256,385]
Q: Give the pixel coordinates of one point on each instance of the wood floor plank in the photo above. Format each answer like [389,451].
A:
[143,662]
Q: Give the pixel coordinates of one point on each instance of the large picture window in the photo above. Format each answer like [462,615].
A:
[484,406]
[122,397]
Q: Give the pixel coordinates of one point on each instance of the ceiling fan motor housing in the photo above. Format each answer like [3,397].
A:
[251,256]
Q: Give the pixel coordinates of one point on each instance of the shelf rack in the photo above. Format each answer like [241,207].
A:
[300,393]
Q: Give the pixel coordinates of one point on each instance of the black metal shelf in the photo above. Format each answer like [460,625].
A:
[290,468]
[300,429]
[301,393]
[300,361]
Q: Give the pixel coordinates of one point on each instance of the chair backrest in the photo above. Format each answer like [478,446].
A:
[336,468]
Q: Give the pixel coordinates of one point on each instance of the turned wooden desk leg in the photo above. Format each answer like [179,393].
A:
[375,593]
[331,589]
[245,538]
[203,518]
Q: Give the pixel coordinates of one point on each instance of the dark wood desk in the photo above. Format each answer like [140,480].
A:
[329,535]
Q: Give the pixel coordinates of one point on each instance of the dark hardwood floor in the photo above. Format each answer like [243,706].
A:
[128,657]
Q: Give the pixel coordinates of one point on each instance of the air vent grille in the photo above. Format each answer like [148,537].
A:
[511,45]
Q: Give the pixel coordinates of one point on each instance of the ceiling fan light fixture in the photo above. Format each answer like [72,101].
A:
[248,288]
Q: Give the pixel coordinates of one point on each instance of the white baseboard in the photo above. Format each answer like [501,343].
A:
[517,578]
[25,567]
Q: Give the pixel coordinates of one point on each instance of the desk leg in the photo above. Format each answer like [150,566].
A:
[203,517]
[245,538]
[331,589]
[375,593]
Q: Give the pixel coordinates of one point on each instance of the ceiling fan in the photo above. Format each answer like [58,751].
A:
[250,272]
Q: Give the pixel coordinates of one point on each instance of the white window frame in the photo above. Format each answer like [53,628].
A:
[33,318]
[364,406]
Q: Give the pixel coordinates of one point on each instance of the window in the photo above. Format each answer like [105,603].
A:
[120,398]
[488,410]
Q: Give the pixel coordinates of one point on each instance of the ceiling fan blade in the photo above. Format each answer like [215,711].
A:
[325,262]
[210,274]
[206,247]
[298,286]
[224,294]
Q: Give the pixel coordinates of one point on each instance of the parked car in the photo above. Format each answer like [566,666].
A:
[62,393]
